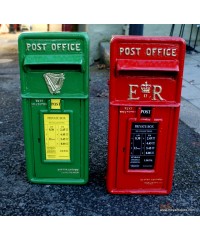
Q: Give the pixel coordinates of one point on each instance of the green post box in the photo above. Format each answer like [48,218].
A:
[54,73]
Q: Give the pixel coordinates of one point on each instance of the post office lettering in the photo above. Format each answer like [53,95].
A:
[55,47]
[149,51]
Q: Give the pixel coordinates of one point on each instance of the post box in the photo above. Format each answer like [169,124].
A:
[144,103]
[54,73]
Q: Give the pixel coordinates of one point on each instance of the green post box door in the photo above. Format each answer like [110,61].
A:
[54,73]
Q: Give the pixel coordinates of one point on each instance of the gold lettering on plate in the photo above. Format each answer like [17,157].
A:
[151,181]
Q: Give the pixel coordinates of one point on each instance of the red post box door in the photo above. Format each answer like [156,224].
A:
[143,159]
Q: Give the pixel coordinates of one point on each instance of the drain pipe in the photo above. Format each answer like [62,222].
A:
[136,29]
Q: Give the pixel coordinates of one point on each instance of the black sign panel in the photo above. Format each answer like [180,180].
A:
[146,111]
[143,145]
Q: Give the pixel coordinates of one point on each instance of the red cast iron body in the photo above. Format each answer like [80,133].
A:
[144,103]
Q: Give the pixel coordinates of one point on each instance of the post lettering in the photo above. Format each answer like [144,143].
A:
[36,46]
[129,51]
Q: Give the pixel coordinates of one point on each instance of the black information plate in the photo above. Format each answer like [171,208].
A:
[143,145]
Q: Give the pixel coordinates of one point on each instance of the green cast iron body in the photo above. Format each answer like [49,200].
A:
[54,74]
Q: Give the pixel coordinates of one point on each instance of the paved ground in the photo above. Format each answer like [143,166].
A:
[19,197]
[190,106]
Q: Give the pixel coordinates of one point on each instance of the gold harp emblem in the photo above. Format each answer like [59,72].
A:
[54,82]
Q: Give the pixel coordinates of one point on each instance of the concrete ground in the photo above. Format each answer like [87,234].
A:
[190,105]
[19,197]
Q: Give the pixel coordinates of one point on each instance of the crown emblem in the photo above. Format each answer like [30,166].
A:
[145,88]
[54,81]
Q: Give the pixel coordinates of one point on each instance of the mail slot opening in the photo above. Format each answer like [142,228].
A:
[145,73]
[48,67]
[147,67]
[53,62]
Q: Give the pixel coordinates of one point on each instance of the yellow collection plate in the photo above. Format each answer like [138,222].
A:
[57,136]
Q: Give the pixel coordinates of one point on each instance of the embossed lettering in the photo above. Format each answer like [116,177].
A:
[161,52]
[156,92]
[129,51]
[146,90]
[131,92]
[36,46]
[72,47]
[60,47]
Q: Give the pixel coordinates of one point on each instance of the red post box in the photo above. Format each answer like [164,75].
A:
[144,104]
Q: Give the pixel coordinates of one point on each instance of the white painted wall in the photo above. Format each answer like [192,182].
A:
[44,27]
[55,27]
[98,33]
[39,27]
